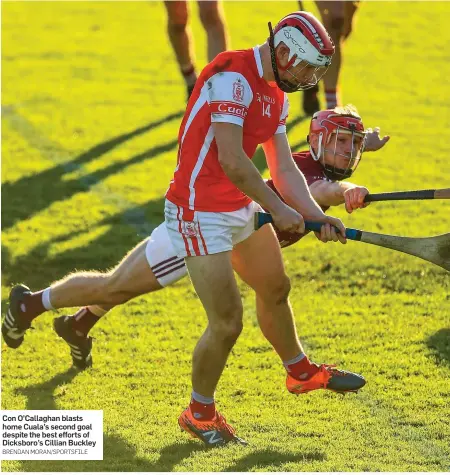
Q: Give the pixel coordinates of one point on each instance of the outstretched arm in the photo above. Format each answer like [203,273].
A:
[335,193]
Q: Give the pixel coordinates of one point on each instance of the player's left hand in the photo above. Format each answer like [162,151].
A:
[373,141]
[354,198]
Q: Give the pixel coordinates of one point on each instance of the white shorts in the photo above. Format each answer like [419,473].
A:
[165,265]
[208,232]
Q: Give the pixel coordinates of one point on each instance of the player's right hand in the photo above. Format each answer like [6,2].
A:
[354,198]
[287,219]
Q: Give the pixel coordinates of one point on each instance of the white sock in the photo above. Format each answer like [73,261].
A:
[332,98]
[294,360]
[202,399]
[46,299]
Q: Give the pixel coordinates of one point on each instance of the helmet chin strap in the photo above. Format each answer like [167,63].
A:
[336,174]
[315,156]
[283,85]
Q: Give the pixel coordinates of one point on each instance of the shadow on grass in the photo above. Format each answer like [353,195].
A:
[48,187]
[439,344]
[119,455]
[126,229]
[264,458]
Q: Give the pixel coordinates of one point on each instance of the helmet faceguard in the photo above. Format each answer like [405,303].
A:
[309,46]
[328,127]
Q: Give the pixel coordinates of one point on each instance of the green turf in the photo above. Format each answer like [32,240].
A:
[91,106]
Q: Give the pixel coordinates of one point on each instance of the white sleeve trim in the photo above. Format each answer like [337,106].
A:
[283,116]
[281,130]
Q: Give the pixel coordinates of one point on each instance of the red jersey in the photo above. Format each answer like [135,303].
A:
[230,89]
[313,171]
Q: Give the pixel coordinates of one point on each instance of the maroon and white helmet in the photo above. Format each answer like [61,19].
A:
[308,42]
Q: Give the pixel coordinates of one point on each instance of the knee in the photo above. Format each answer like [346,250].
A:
[228,329]
[177,23]
[210,17]
[176,28]
[335,27]
[279,291]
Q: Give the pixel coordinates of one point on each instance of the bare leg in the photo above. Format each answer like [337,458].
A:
[310,99]
[212,18]
[215,284]
[266,275]
[333,18]
[258,261]
[351,8]
[131,277]
[180,36]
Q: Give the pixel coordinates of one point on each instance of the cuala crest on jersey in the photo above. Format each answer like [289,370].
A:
[238,91]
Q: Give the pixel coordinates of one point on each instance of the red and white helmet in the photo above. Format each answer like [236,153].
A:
[327,125]
[308,41]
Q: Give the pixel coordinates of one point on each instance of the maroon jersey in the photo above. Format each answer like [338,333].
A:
[313,171]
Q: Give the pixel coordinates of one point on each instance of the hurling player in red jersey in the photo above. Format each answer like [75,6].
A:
[239,102]
[208,234]
[153,264]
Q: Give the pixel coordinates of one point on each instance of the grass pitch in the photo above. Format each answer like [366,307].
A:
[91,105]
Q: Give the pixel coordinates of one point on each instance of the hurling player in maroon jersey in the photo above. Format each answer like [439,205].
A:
[326,168]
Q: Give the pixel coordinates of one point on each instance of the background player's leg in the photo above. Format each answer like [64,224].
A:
[132,277]
[180,36]
[333,18]
[149,267]
[215,284]
[213,20]
[349,15]
[161,269]
[310,97]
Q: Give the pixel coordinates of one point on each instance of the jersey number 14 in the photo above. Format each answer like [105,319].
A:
[266,109]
